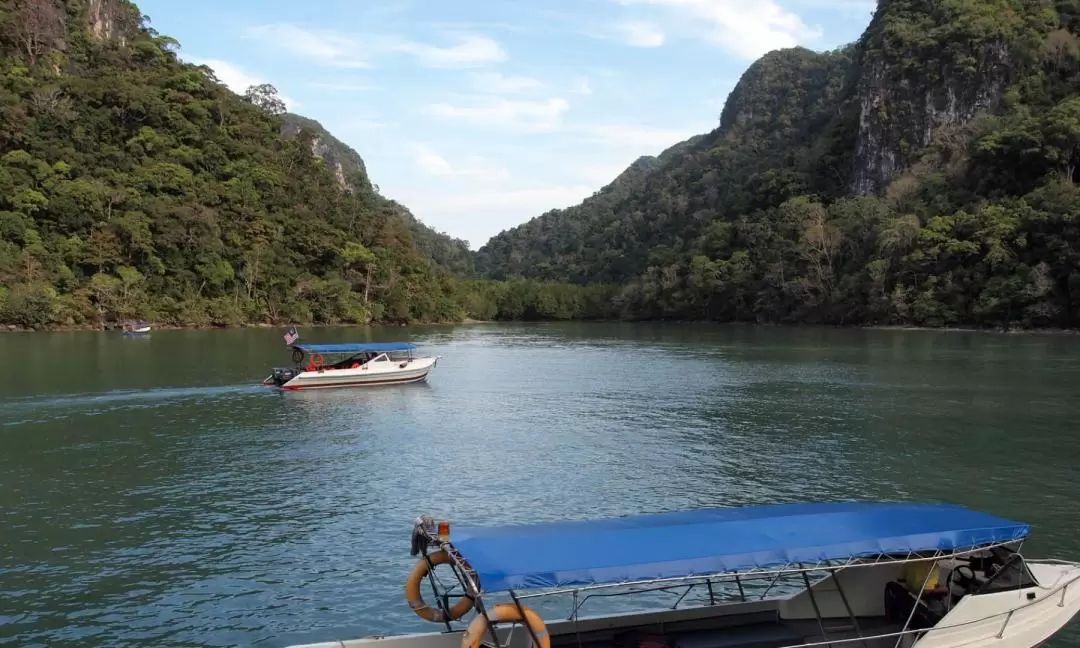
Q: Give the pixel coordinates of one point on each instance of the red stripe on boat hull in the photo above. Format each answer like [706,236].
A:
[357,383]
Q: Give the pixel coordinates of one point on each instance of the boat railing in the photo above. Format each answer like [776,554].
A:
[796,569]
[1059,590]
[717,590]
[1008,614]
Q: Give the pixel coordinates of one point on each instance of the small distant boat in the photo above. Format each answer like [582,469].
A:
[136,328]
[351,365]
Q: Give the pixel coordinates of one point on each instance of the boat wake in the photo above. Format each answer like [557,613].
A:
[118,399]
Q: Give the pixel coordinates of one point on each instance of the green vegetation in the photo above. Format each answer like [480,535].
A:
[132,185]
[925,175]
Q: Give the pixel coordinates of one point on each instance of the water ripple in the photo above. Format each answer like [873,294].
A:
[212,515]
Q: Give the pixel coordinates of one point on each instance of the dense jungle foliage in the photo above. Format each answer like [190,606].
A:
[926,174]
[967,111]
[136,186]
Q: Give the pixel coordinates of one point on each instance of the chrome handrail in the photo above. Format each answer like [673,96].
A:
[1008,614]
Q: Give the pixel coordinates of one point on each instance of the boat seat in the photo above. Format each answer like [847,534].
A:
[900,602]
[757,635]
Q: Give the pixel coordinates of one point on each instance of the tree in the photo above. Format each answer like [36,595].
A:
[38,25]
[1061,130]
[265,96]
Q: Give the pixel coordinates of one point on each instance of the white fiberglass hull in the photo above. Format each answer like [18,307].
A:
[370,375]
[1012,619]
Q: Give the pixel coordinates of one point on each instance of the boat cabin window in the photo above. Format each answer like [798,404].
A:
[381,358]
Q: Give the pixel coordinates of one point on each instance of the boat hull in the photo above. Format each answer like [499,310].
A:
[415,370]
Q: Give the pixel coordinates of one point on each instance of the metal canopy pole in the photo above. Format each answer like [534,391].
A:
[524,620]
[918,599]
[742,592]
[847,606]
[813,601]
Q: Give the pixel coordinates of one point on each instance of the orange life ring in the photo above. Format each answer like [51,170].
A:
[416,600]
[316,362]
[505,612]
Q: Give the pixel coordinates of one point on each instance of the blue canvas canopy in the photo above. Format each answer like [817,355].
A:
[376,347]
[718,540]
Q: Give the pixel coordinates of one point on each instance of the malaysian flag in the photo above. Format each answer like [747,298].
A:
[291,336]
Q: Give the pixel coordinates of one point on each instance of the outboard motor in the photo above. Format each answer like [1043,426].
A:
[282,375]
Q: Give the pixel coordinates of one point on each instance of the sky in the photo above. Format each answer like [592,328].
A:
[481,114]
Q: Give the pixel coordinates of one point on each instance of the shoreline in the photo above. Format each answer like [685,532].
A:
[101,328]
[107,328]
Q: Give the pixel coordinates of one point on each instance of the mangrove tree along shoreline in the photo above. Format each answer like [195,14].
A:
[116,327]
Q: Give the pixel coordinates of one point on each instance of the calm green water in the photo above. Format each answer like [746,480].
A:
[152,494]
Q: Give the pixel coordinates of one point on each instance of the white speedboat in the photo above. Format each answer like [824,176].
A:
[136,328]
[874,575]
[351,365]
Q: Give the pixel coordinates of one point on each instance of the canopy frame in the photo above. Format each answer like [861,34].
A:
[790,569]
[355,347]
[425,535]
[347,352]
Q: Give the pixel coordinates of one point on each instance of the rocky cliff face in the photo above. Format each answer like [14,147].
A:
[111,19]
[924,65]
[343,160]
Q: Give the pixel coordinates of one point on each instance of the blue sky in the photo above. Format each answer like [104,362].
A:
[481,114]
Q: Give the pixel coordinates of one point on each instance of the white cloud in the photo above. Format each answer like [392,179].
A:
[640,33]
[471,51]
[648,141]
[599,174]
[428,161]
[472,166]
[842,6]
[333,49]
[495,83]
[364,123]
[528,116]
[344,86]
[322,45]
[236,78]
[749,29]
[582,86]
[477,214]
[533,200]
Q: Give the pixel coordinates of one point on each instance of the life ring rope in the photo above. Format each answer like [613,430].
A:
[423,567]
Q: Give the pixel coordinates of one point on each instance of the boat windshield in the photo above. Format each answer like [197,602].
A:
[348,356]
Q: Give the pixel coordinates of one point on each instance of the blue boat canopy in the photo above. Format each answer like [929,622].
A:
[376,347]
[718,540]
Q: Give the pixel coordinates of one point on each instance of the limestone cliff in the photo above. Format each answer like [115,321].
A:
[111,19]
[924,65]
[343,160]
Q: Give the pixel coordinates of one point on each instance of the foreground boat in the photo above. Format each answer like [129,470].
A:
[351,365]
[874,575]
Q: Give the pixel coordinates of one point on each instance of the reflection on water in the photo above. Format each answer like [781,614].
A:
[155,492]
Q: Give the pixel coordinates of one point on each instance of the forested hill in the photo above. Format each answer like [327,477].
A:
[567,243]
[134,185]
[926,174]
[449,253]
